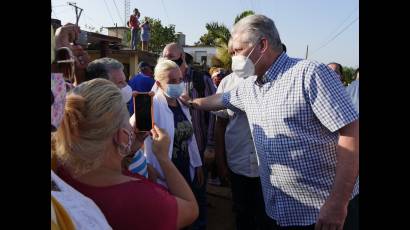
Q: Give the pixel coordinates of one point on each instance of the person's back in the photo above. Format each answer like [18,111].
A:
[142,82]
[143,201]
[83,212]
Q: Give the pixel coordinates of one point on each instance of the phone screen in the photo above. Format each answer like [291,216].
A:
[143,111]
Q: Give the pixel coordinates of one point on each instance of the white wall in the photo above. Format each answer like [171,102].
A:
[210,52]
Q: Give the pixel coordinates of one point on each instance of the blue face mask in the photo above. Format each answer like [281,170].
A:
[174,90]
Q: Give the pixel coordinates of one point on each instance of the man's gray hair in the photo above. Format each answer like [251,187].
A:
[100,68]
[257,26]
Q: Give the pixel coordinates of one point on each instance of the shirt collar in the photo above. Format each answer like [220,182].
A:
[275,68]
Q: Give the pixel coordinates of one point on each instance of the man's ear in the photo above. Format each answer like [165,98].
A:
[264,45]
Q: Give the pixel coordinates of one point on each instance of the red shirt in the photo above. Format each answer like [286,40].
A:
[134,22]
[131,205]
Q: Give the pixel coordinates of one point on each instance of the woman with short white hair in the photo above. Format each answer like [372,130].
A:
[174,117]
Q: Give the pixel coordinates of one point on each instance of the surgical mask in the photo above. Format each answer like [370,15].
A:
[58,91]
[174,90]
[126,93]
[243,66]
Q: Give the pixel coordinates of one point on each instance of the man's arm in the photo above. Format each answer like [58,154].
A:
[334,211]
[211,103]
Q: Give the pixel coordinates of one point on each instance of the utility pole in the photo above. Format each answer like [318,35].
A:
[307,51]
[126,11]
[77,15]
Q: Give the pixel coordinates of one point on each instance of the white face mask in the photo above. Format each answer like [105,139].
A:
[126,94]
[243,66]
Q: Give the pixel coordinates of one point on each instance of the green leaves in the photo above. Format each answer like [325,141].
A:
[218,35]
[243,14]
[160,35]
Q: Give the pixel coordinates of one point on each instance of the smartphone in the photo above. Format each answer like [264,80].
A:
[143,111]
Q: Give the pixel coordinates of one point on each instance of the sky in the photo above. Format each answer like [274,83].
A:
[330,28]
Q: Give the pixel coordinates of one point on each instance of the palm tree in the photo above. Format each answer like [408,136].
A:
[243,14]
[218,35]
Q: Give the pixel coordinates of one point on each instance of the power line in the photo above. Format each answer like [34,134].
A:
[108,9]
[340,25]
[61,12]
[118,12]
[127,6]
[90,19]
[56,6]
[253,8]
[336,35]
[165,10]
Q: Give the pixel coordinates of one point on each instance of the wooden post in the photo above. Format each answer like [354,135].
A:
[133,63]
[307,51]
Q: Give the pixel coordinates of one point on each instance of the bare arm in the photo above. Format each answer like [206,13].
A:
[334,210]
[186,202]
[211,103]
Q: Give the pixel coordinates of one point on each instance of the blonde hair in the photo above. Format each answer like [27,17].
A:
[163,66]
[93,112]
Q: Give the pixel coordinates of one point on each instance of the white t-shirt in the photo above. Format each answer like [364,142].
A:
[83,211]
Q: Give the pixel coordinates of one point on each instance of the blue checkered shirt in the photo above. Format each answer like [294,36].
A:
[294,115]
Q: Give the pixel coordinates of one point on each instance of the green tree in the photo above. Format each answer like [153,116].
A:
[218,35]
[160,35]
[206,39]
[243,14]
[348,75]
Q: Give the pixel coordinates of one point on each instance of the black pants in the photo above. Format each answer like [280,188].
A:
[351,222]
[248,203]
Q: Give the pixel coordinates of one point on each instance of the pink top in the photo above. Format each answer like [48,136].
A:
[133,205]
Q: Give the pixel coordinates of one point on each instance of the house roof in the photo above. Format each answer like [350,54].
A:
[198,46]
[118,27]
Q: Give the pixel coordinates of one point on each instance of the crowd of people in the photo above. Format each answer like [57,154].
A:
[282,132]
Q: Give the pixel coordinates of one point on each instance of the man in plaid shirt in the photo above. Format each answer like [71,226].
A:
[304,127]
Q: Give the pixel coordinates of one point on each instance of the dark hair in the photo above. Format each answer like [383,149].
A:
[339,67]
[189,59]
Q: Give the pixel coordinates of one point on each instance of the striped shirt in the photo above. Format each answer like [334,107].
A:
[203,121]
[139,164]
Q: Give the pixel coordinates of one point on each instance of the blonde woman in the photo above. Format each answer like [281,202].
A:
[171,115]
[94,137]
